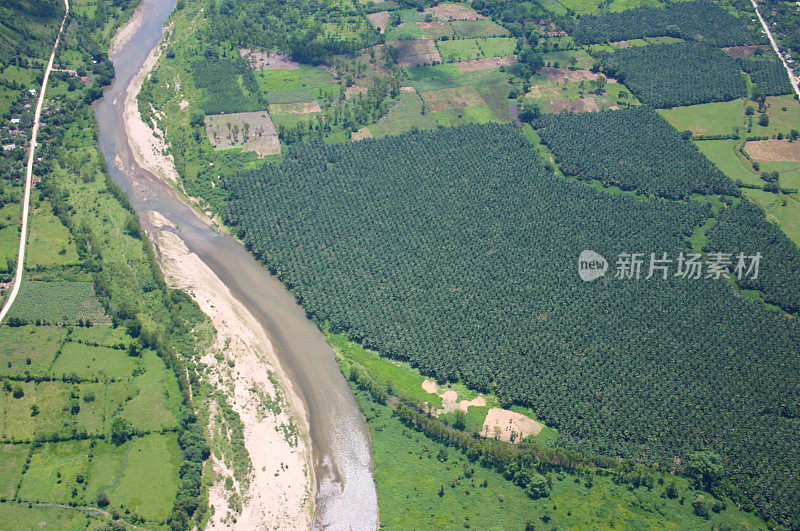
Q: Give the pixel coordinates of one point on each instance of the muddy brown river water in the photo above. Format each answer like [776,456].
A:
[346,497]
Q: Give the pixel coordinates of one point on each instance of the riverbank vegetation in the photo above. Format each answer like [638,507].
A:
[97,425]
[468,279]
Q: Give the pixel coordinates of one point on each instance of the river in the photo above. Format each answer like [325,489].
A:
[346,497]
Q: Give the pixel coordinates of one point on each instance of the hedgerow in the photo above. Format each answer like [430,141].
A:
[457,250]
[700,20]
[634,149]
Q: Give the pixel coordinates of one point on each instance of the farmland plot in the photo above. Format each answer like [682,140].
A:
[250,131]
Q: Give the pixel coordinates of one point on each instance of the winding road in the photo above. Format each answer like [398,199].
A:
[29,172]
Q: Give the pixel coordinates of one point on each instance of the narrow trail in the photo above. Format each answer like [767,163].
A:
[792,78]
[29,172]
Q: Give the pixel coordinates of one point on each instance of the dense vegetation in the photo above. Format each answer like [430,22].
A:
[311,31]
[448,249]
[94,416]
[744,228]
[769,77]
[699,20]
[672,75]
[634,149]
[451,477]
[227,83]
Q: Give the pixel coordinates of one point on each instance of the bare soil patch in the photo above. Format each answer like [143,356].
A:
[260,60]
[380,20]
[450,400]
[502,424]
[304,107]
[361,134]
[354,90]
[487,63]
[566,74]
[416,52]
[741,52]
[251,131]
[452,98]
[621,44]
[577,105]
[407,89]
[454,12]
[774,150]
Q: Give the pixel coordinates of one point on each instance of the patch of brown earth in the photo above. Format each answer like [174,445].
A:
[486,63]
[577,105]
[260,60]
[452,98]
[773,150]
[304,107]
[361,134]
[454,12]
[741,52]
[416,52]
[251,131]
[380,20]
[507,425]
[567,74]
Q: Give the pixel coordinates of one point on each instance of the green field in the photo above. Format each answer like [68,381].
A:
[784,115]
[402,117]
[58,302]
[725,155]
[722,118]
[497,46]
[301,79]
[86,362]
[467,29]
[458,50]
[781,209]
[39,344]
[569,58]
[14,516]
[12,461]
[49,241]
[440,488]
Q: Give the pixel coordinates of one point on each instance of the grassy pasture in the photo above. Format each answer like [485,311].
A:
[780,120]
[719,118]
[479,114]
[49,241]
[781,209]
[15,516]
[402,117]
[564,58]
[467,29]
[37,343]
[12,460]
[458,50]
[146,485]
[497,46]
[88,362]
[157,404]
[305,77]
[439,488]
[53,473]
[58,302]
[406,31]
[724,154]
[100,335]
